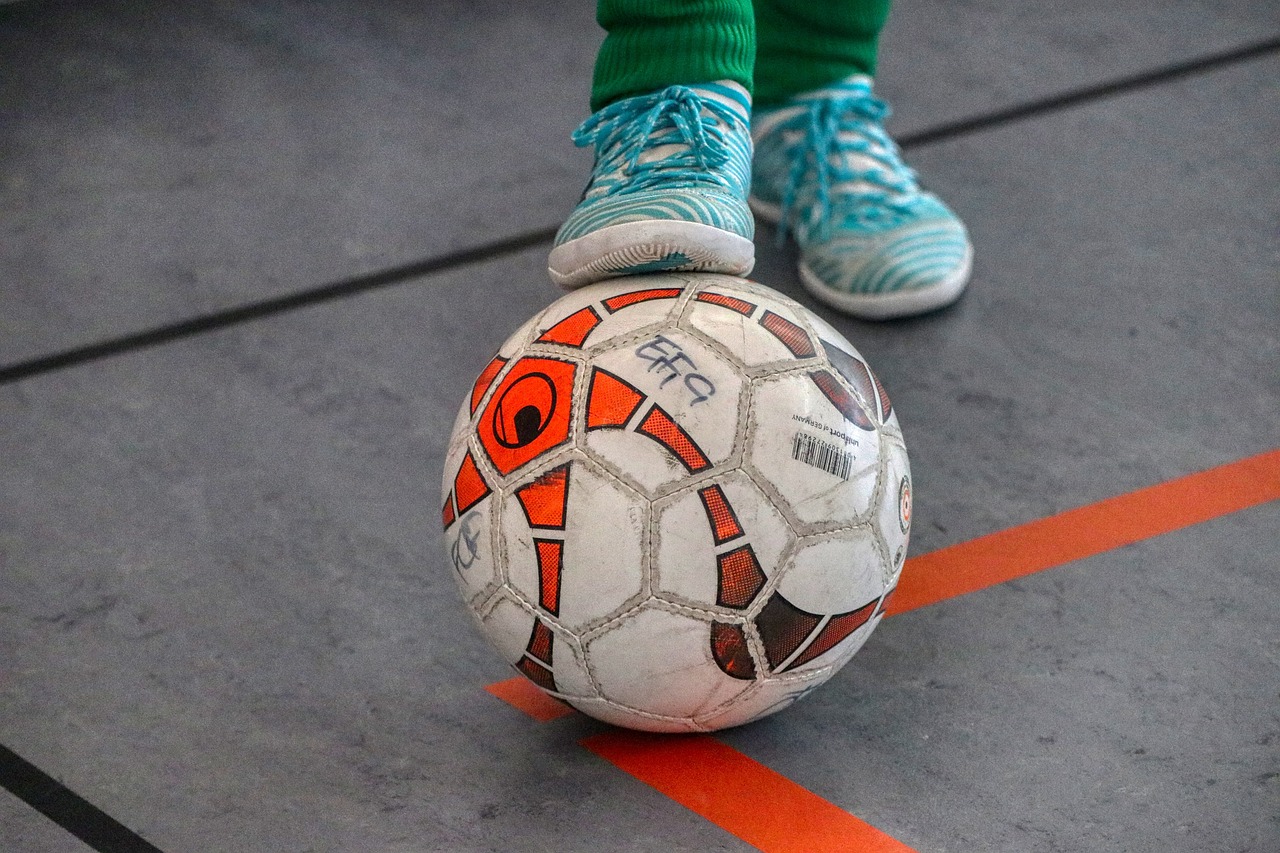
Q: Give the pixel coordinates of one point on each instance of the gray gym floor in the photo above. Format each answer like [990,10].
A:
[252,256]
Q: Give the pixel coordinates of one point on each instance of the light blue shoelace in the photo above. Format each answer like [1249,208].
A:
[624,130]
[833,129]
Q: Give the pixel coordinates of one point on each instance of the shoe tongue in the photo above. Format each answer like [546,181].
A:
[729,94]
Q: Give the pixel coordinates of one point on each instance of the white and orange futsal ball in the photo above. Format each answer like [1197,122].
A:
[677,502]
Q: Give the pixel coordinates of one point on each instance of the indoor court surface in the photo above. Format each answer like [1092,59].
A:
[252,257]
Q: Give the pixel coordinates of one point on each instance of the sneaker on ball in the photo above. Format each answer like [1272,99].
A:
[872,243]
[668,191]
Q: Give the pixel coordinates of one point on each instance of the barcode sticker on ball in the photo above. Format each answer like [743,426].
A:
[821,454]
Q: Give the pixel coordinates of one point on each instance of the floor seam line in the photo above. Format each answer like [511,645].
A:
[1090,94]
[226,318]
[66,808]
[484,253]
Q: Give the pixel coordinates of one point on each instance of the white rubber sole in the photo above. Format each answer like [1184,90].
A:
[627,248]
[877,306]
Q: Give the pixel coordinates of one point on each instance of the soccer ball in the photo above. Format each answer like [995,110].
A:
[677,502]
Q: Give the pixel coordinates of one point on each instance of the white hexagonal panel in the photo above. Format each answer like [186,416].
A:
[718,543]
[573,540]
[660,662]
[821,455]
[834,572]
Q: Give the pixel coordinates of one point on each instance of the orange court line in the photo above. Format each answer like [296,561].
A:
[740,795]
[523,694]
[1086,531]
[776,815]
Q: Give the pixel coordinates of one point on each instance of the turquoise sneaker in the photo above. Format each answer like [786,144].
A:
[872,243]
[669,188]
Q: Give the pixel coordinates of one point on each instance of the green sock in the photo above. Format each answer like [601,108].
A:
[804,45]
[651,44]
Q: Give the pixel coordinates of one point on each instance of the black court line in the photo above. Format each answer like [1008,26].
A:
[490,251]
[493,250]
[68,809]
[278,305]
[1066,100]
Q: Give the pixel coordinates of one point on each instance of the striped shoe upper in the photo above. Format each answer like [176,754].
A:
[683,153]
[826,166]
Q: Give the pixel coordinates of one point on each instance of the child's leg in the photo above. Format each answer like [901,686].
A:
[672,138]
[805,45]
[872,242]
[652,44]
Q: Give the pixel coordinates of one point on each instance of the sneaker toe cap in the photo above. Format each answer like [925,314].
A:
[921,256]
